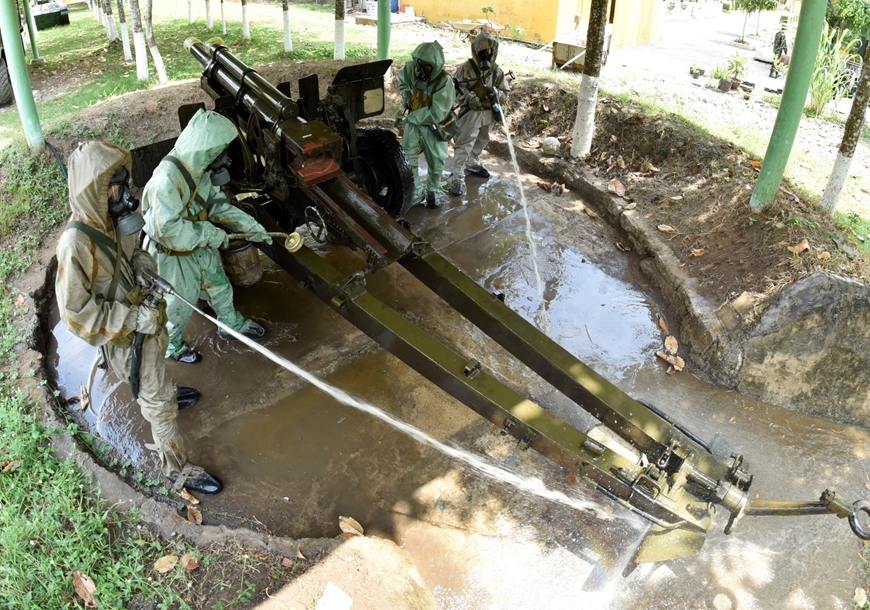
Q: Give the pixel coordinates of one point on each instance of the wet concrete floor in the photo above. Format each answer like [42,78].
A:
[293,459]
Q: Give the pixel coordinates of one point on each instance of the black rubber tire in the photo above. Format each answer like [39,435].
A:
[386,175]
[5,84]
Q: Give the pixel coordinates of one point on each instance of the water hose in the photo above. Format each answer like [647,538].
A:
[292,241]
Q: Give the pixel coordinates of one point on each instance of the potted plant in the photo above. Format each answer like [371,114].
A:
[736,69]
[720,73]
[695,69]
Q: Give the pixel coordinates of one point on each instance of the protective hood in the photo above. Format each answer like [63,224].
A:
[90,167]
[484,41]
[205,137]
[432,54]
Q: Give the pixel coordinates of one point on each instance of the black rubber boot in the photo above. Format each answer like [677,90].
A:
[478,170]
[187,356]
[200,481]
[431,202]
[186,397]
[251,330]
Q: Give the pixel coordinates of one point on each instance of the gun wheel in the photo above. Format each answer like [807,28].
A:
[5,84]
[386,175]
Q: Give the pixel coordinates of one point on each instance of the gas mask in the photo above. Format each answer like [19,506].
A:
[123,206]
[423,72]
[219,168]
[483,59]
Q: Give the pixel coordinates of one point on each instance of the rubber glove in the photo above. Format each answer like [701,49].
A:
[474,103]
[146,320]
[140,261]
[219,240]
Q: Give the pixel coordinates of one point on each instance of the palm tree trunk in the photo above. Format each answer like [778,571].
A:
[208,22]
[338,52]
[111,29]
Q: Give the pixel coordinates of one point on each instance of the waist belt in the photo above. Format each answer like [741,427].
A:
[164,250]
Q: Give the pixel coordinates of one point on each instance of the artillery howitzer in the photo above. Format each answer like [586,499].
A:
[307,163]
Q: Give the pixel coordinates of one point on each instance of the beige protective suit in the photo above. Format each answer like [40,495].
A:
[92,287]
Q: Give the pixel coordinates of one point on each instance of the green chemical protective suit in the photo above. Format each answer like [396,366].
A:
[429,102]
[181,207]
[477,90]
[96,293]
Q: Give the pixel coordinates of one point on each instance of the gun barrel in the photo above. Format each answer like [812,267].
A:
[239,80]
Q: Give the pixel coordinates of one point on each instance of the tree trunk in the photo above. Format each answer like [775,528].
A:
[851,135]
[246,22]
[758,24]
[111,29]
[745,21]
[587,96]
[208,23]
[125,37]
[338,52]
[139,42]
[288,40]
[152,44]
[190,11]
[223,19]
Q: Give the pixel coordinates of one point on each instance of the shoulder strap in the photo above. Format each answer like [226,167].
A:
[191,185]
[110,247]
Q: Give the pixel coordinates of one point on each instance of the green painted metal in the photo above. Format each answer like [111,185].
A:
[19,76]
[31,28]
[384,25]
[794,95]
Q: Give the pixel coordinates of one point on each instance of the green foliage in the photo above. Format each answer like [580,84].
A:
[852,15]
[834,52]
[726,7]
[735,67]
[720,72]
[751,6]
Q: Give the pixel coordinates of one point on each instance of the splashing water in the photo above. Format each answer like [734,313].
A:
[528,484]
[543,319]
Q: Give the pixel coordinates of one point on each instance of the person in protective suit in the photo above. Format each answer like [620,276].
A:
[780,48]
[183,204]
[101,287]
[481,89]
[427,96]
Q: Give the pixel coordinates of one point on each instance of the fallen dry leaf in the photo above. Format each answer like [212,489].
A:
[630,206]
[798,248]
[671,371]
[544,185]
[558,189]
[649,167]
[85,397]
[166,563]
[620,162]
[300,555]
[616,187]
[698,251]
[9,466]
[755,164]
[591,213]
[675,361]
[186,495]
[824,255]
[19,300]
[613,138]
[666,229]
[546,108]
[867,485]
[664,325]
[349,525]
[188,562]
[676,198]
[622,248]
[193,515]
[287,562]
[860,597]
[671,345]
[571,477]
[84,586]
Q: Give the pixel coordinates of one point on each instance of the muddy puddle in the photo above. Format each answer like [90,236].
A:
[293,459]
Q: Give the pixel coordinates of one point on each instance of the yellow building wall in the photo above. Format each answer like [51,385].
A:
[536,17]
[635,21]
